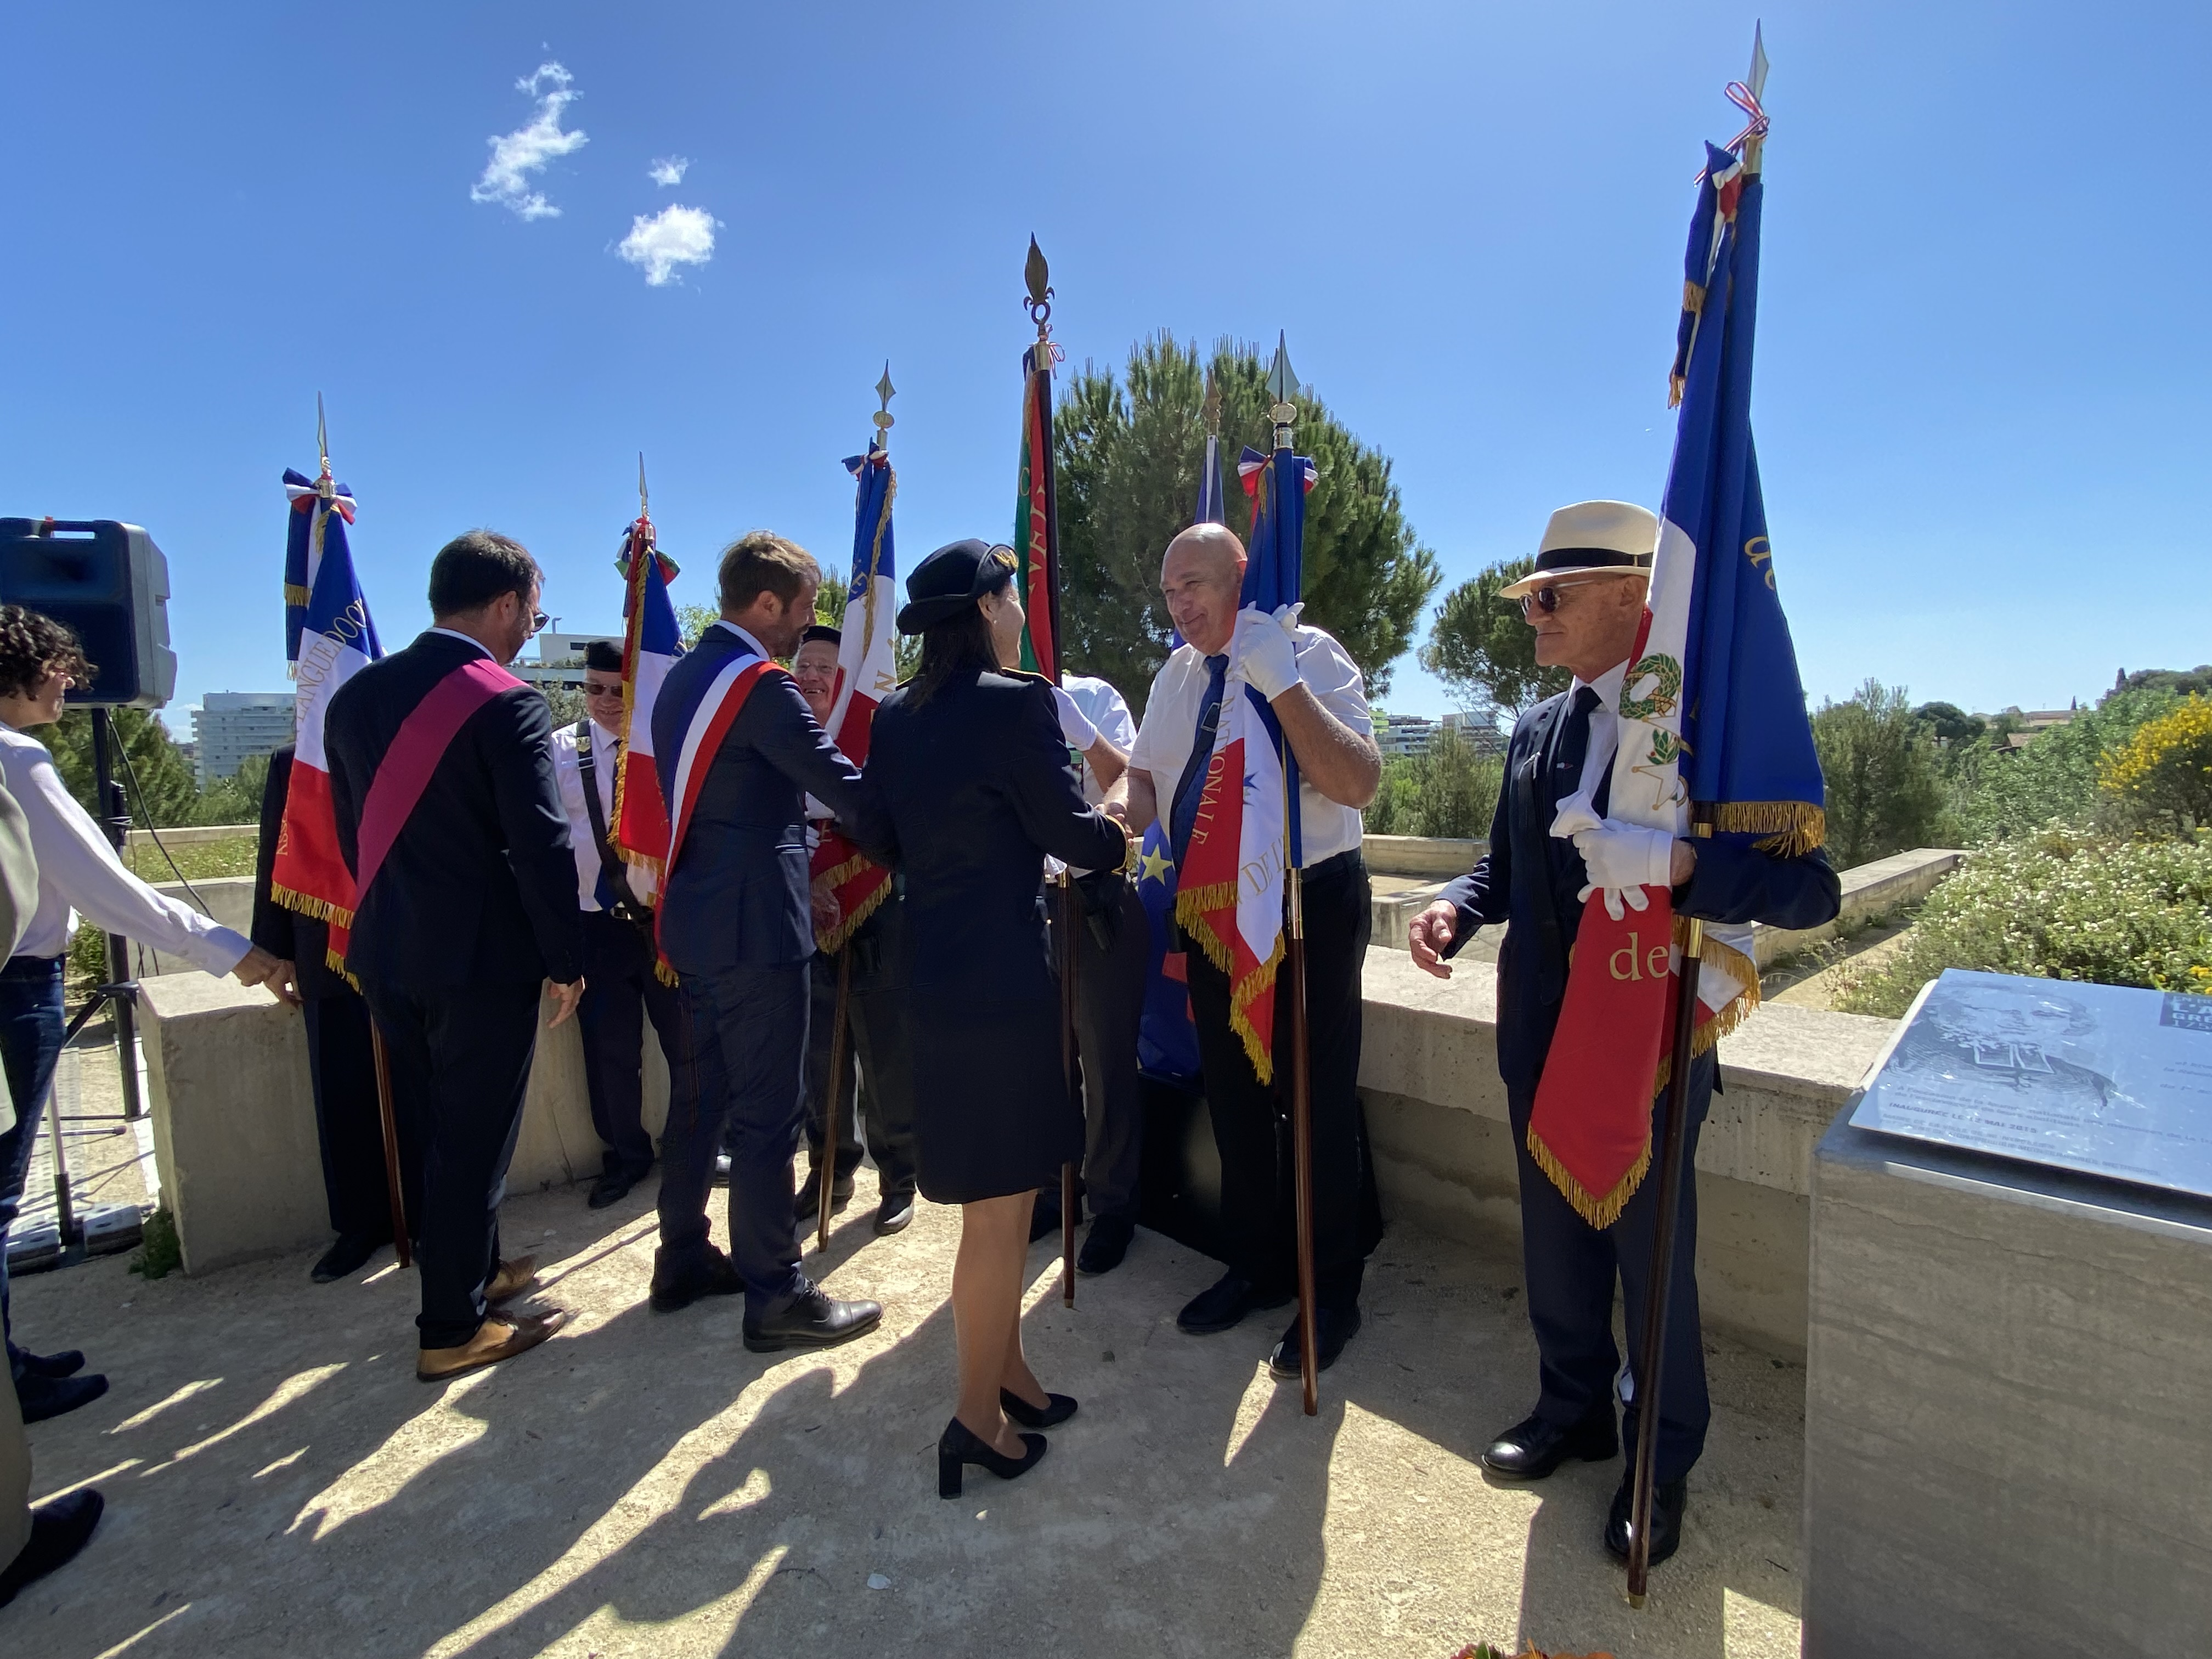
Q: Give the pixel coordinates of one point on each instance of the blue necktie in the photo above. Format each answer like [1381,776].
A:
[1183,815]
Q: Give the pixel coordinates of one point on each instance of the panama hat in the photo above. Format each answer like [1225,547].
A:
[1592,539]
[952,579]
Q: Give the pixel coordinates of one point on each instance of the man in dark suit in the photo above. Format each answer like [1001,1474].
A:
[737,925]
[441,775]
[340,1062]
[1585,601]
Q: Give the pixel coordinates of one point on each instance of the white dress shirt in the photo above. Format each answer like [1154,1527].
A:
[1164,742]
[1605,726]
[1099,711]
[568,772]
[78,870]
[455,633]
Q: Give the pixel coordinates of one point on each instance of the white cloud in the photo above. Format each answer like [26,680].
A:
[528,148]
[668,169]
[674,236]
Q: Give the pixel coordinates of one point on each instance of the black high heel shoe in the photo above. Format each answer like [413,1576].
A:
[958,1444]
[1057,1409]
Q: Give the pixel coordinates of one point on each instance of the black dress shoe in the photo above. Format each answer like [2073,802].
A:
[807,1204]
[958,1445]
[1668,1499]
[1105,1244]
[1223,1304]
[68,1363]
[349,1253]
[58,1530]
[1057,1409]
[812,1319]
[1533,1447]
[1333,1328]
[612,1187]
[715,1276]
[893,1214]
[42,1397]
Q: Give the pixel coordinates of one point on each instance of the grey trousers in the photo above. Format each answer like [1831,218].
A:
[15,1478]
[1109,1004]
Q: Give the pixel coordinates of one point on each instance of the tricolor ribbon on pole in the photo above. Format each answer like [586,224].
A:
[1713,712]
[329,639]
[867,672]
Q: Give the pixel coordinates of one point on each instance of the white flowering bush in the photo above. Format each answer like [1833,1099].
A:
[2060,906]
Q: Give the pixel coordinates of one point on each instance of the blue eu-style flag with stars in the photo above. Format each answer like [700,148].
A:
[1167,1042]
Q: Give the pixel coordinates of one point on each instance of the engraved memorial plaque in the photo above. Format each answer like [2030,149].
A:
[2105,1079]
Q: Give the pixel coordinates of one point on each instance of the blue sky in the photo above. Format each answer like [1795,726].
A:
[1984,382]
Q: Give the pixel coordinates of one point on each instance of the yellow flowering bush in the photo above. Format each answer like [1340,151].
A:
[2163,773]
[2061,906]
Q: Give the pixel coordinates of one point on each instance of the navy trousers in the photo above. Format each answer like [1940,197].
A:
[739,1065]
[1571,1267]
[460,1066]
[31,1028]
[620,992]
[348,1127]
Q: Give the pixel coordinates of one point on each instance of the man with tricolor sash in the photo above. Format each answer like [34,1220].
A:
[740,752]
[450,823]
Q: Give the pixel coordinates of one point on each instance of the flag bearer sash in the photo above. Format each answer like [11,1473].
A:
[705,726]
[405,771]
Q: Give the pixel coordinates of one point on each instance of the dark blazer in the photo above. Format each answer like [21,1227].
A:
[738,894]
[979,786]
[481,884]
[1530,877]
[300,939]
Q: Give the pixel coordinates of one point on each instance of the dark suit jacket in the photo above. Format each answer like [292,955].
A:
[1530,877]
[301,940]
[481,884]
[737,896]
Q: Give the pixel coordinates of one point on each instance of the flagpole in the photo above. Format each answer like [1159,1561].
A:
[1284,413]
[1037,365]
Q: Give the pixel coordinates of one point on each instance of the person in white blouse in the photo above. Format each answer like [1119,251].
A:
[78,873]
[1319,695]
[621,989]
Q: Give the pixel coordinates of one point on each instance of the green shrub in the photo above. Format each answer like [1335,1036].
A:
[2058,906]
[2163,776]
[1878,760]
[2054,779]
[160,1252]
[1452,791]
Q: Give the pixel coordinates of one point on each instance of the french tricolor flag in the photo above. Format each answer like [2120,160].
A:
[331,640]
[650,647]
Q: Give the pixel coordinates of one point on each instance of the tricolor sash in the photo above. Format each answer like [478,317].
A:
[406,770]
[703,732]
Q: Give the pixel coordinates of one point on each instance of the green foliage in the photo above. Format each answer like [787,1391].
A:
[1482,648]
[160,1252]
[1452,791]
[693,620]
[1128,454]
[2054,779]
[236,799]
[202,860]
[1878,761]
[1952,725]
[160,786]
[2192,682]
[2161,777]
[2058,906]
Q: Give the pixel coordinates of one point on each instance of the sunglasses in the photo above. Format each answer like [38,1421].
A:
[1546,599]
[591,690]
[538,621]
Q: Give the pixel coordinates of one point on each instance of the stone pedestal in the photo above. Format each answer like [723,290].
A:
[2009,1409]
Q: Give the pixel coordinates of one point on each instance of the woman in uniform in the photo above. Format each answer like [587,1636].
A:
[975,775]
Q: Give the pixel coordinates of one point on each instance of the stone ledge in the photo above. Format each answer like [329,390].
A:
[1870,891]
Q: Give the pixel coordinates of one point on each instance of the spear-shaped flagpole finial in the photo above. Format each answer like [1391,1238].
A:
[325,486]
[1756,80]
[882,417]
[1282,386]
[641,512]
[1038,275]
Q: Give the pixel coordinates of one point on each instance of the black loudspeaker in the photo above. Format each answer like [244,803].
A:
[109,583]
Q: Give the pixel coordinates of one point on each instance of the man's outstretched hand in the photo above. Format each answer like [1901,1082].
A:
[1430,935]
[567,996]
[258,967]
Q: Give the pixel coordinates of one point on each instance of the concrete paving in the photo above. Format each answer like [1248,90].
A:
[279,1484]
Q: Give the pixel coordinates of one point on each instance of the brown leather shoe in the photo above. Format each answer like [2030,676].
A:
[501,1336]
[511,1280]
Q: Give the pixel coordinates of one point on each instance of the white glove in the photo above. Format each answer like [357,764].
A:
[1264,656]
[1074,725]
[1623,859]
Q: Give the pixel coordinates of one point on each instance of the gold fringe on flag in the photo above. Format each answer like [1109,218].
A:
[1599,1211]
[336,963]
[295,594]
[1738,967]
[320,910]
[666,975]
[848,924]
[1190,912]
[1790,829]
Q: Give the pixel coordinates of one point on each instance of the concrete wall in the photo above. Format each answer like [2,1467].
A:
[1422,855]
[228,899]
[1443,1151]
[194,835]
[1871,891]
[235,1126]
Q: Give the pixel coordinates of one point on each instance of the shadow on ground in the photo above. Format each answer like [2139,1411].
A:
[279,1484]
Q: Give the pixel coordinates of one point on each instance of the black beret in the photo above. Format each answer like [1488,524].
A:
[951,578]
[821,631]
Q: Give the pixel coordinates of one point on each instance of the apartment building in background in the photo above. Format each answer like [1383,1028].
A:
[230,727]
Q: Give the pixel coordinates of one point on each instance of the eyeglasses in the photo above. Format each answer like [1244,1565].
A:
[538,621]
[614,691]
[1546,599]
